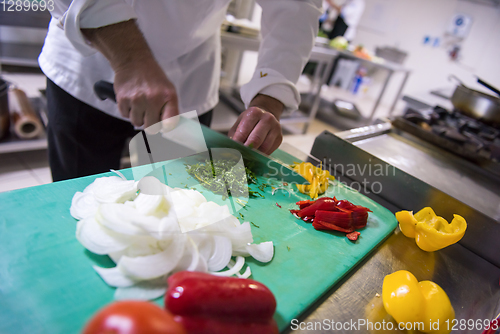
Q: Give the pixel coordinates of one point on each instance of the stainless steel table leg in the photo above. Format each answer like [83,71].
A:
[407,74]
[389,75]
[327,68]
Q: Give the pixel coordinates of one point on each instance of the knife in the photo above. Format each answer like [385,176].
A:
[265,165]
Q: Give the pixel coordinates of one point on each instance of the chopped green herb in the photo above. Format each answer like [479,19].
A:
[254,194]
[263,186]
[254,224]
[223,176]
[169,173]
[241,215]
[288,247]
[240,202]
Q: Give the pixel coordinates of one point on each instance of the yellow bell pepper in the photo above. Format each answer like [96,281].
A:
[317,177]
[423,306]
[431,232]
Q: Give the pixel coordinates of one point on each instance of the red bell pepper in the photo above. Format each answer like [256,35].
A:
[346,220]
[331,214]
[353,236]
[205,303]
[304,204]
[207,325]
[324,203]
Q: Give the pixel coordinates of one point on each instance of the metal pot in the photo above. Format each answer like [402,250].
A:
[4,109]
[476,104]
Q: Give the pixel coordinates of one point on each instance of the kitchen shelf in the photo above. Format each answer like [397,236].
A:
[14,144]
[19,54]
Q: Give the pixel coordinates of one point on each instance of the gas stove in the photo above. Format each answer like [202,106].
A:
[459,134]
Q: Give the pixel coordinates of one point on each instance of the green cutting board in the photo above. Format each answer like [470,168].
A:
[47,284]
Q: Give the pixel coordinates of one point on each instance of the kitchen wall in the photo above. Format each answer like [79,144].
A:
[405,23]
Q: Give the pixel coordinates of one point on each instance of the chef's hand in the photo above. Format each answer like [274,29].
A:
[258,126]
[143,92]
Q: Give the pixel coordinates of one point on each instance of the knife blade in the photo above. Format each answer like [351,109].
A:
[265,165]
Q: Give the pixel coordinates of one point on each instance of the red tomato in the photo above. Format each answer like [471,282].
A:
[133,317]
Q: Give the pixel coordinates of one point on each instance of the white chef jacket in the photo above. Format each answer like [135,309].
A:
[352,11]
[184,36]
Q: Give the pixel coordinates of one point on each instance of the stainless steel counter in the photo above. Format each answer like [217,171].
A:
[470,282]
[469,271]
[443,170]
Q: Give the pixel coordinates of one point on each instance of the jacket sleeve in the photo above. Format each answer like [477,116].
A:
[73,15]
[288,29]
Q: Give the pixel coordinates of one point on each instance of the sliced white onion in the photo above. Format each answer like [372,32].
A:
[150,185]
[150,236]
[221,226]
[240,262]
[148,204]
[146,290]
[221,254]
[114,277]
[98,239]
[119,174]
[246,274]
[124,219]
[116,256]
[198,263]
[241,251]
[240,235]
[205,243]
[112,189]
[262,252]
[83,205]
[191,259]
[152,266]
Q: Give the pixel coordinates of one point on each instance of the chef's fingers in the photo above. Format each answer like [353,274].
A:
[140,107]
[272,141]
[153,114]
[170,116]
[124,107]
[137,117]
[171,107]
[276,144]
[259,134]
[234,127]
[267,123]
[248,121]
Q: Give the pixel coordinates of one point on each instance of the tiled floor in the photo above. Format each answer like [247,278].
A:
[24,169]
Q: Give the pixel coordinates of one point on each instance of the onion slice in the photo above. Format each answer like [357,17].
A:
[240,262]
[98,239]
[146,290]
[83,205]
[125,219]
[221,254]
[114,277]
[152,266]
[262,252]
[246,274]
[119,174]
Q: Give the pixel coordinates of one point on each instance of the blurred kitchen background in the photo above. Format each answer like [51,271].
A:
[394,65]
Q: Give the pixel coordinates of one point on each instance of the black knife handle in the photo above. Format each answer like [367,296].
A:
[104,90]
[487,85]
